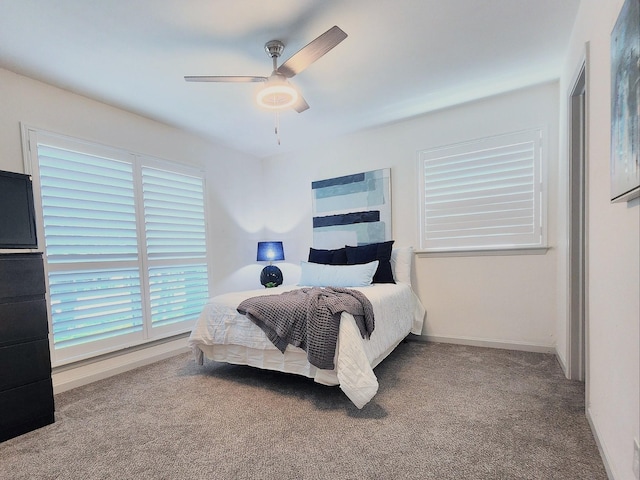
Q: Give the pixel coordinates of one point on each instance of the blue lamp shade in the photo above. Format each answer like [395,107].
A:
[271,276]
[270,251]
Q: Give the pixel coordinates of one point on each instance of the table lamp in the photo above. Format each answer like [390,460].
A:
[271,275]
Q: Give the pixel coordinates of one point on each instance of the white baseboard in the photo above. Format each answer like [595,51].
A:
[482,342]
[563,365]
[76,376]
[601,449]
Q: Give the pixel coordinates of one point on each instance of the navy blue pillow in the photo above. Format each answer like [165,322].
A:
[374,251]
[328,257]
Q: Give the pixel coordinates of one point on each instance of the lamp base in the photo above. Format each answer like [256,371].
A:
[271,276]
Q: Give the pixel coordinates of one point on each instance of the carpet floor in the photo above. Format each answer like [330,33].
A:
[442,412]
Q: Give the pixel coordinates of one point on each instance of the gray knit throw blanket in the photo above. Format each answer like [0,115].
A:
[309,318]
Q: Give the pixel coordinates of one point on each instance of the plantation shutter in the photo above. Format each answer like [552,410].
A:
[176,245]
[485,194]
[91,247]
[125,245]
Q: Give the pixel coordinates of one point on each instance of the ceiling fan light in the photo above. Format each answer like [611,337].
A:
[277,96]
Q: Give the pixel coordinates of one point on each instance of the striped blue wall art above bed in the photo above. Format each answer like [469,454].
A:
[352,210]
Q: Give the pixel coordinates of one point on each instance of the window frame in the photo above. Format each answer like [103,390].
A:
[539,184]
[150,333]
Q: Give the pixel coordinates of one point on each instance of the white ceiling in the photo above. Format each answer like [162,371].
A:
[401,58]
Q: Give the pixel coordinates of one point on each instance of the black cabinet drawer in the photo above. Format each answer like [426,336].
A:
[26,408]
[21,275]
[24,363]
[23,321]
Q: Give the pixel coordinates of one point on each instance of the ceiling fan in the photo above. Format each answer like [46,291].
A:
[278,93]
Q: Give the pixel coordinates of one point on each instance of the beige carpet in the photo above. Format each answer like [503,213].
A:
[442,412]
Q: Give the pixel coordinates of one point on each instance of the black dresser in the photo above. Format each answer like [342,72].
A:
[26,393]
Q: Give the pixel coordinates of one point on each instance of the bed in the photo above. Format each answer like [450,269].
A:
[224,335]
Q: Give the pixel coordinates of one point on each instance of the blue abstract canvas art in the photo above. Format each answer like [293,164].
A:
[625,103]
[352,210]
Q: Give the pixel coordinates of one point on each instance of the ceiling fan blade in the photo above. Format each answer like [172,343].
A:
[312,52]
[301,104]
[223,78]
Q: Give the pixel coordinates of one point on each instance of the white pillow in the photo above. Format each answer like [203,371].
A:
[401,261]
[320,275]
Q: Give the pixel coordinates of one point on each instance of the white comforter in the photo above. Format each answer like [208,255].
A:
[222,334]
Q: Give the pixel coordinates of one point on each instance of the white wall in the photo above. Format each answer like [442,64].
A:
[492,300]
[233,179]
[613,255]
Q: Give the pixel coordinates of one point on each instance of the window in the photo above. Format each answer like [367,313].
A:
[125,245]
[483,195]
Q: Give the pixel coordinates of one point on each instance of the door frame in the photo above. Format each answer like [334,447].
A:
[577,217]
